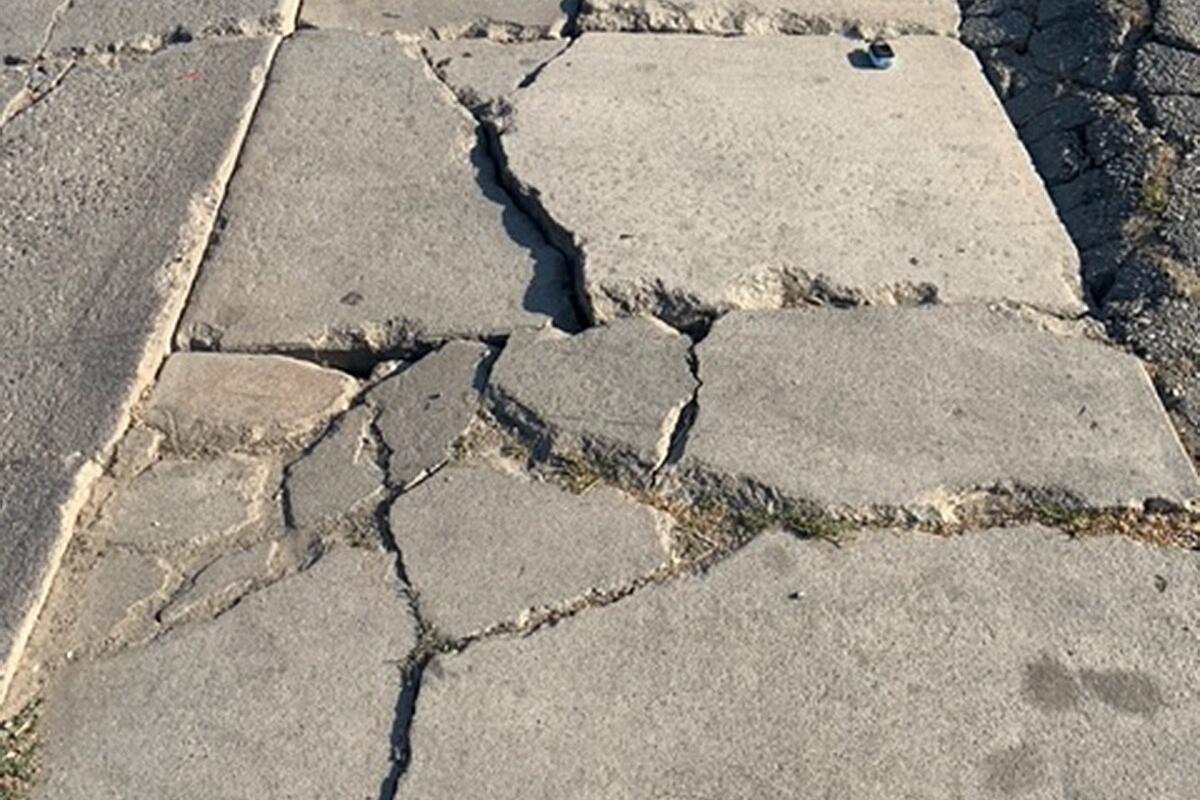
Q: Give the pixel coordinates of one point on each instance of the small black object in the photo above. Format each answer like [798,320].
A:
[881,53]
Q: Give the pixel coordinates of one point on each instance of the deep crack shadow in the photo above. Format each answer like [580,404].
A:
[406,706]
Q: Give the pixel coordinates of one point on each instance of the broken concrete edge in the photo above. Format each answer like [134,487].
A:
[180,270]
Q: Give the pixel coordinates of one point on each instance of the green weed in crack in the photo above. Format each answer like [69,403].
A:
[18,752]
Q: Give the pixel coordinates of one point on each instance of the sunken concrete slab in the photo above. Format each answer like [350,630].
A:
[482,547]
[865,18]
[377,187]
[903,407]
[482,72]
[614,392]
[505,20]
[337,475]
[237,706]
[425,408]
[218,401]
[685,193]
[97,255]
[995,665]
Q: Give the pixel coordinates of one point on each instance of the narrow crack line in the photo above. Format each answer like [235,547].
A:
[683,423]
[56,19]
[27,98]
[532,76]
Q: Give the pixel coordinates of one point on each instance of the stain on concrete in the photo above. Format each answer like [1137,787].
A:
[1127,691]
[1049,686]
[1014,771]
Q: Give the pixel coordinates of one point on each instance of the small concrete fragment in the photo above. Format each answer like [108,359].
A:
[214,401]
[1003,664]
[111,590]
[187,502]
[864,18]
[426,407]
[336,475]
[614,392]
[405,237]
[238,706]
[482,72]
[1168,70]
[481,546]
[895,407]
[504,20]
[684,194]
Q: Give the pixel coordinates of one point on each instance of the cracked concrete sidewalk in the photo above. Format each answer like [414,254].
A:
[567,400]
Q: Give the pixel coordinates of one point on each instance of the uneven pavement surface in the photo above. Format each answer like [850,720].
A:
[638,399]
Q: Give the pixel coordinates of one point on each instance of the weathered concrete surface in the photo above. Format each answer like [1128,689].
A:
[371,185]
[241,705]
[229,574]
[337,474]
[119,582]
[726,17]
[883,406]
[23,28]
[1003,664]
[481,71]
[426,407]
[207,401]
[481,547]
[614,392]
[127,239]
[685,193]
[506,20]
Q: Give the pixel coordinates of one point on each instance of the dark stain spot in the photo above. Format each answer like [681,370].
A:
[351,299]
[1125,690]
[645,67]
[1014,771]
[1049,686]
[1160,583]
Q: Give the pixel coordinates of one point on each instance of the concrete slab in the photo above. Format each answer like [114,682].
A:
[1004,664]
[23,28]
[365,170]
[505,20]
[481,71]
[97,253]
[481,547]
[216,401]
[212,586]
[615,392]
[685,193]
[426,407]
[119,582]
[866,18]
[236,707]
[336,475]
[891,407]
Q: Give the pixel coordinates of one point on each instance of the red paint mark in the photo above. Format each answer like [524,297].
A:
[194,75]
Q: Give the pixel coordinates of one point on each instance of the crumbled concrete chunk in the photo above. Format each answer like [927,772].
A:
[728,17]
[481,546]
[366,171]
[1008,663]
[238,706]
[482,72]
[886,406]
[426,407]
[615,392]
[211,401]
[337,474]
[685,194]
[506,20]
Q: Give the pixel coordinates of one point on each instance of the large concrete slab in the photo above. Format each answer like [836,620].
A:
[482,547]
[361,168]
[507,20]
[97,251]
[727,17]
[613,392]
[701,174]
[1013,663]
[894,407]
[240,706]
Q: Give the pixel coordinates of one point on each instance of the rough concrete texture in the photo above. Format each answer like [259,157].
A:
[726,17]
[505,20]
[378,187]
[892,407]
[615,391]
[337,474]
[205,401]
[848,183]
[23,28]
[1005,664]
[241,705]
[187,502]
[119,582]
[482,72]
[229,574]
[481,547]
[426,407]
[94,253]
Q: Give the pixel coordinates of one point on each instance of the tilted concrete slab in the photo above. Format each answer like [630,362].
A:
[239,705]
[700,174]
[97,252]
[371,185]
[900,407]
[337,475]
[614,392]
[482,547]
[508,20]
[481,71]
[995,665]
[866,18]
